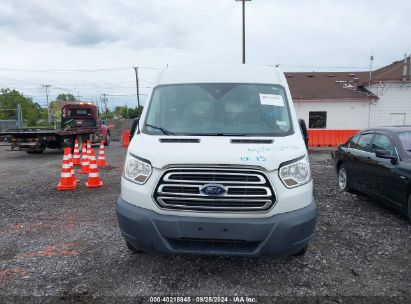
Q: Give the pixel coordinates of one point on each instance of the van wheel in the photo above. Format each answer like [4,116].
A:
[133,249]
[409,208]
[302,252]
[343,180]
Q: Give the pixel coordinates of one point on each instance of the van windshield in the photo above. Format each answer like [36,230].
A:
[219,109]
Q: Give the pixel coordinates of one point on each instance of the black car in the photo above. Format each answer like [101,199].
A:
[377,162]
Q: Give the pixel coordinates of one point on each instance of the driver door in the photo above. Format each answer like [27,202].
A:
[387,179]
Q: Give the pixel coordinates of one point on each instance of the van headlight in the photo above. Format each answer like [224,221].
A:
[137,170]
[296,173]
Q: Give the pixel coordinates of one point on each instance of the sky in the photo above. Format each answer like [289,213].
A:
[89,48]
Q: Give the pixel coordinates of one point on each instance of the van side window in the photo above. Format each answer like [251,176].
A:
[364,142]
[382,142]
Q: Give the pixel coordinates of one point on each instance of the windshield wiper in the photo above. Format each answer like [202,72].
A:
[166,132]
[217,134]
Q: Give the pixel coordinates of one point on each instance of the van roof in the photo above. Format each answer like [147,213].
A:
[221,73]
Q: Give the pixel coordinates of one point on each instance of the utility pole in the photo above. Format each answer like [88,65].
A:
[104,100]
[20,121]
[46,86]
[370,76]
[137,86]
[243,1]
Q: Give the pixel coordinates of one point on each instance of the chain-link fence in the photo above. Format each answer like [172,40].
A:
[117,127]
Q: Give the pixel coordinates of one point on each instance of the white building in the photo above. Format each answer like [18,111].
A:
[351,100]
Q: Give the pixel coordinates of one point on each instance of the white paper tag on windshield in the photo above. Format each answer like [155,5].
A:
[272,100]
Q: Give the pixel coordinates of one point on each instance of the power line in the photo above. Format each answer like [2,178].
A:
[126,95]
[47,86]
[75,70]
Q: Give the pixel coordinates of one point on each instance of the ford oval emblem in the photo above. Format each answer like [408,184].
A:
[213,189]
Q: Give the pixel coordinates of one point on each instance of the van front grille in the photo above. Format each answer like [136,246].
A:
[213,245]
[245,190]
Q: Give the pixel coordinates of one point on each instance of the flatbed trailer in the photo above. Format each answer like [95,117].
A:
[36,140]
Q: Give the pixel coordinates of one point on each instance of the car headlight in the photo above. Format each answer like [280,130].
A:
[296,173]
[137,170]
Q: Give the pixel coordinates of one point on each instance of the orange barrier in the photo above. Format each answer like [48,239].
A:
[125,141]
[328,138]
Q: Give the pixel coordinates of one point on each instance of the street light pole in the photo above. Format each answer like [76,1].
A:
[46,86]
[243,1]
[137,86]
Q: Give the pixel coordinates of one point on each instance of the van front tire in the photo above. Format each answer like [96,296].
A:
[301,253]
[409,209]
[133,249]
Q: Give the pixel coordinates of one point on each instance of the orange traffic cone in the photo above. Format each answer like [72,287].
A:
[76,154]
[84,161]
[101,161]
[125,140]
[93,177]
[66,180]
[88,148]
[70,157]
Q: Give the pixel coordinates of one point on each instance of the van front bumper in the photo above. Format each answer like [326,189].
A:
[281,234]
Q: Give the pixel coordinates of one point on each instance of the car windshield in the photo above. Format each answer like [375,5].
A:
[78,112]
[405,138]
[219,109]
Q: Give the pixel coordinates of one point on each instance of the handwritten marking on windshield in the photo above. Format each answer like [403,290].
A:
[262,150]
[259,150]
[258,158]
[283,148]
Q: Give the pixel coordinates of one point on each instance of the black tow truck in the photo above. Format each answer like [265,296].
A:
[79,121]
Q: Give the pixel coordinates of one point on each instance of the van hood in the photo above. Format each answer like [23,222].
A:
[213,150]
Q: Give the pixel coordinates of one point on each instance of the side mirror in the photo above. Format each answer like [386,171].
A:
[133,128]
[386,155]
[304,131]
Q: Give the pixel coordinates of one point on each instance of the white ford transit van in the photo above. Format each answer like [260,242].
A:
[218,165]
